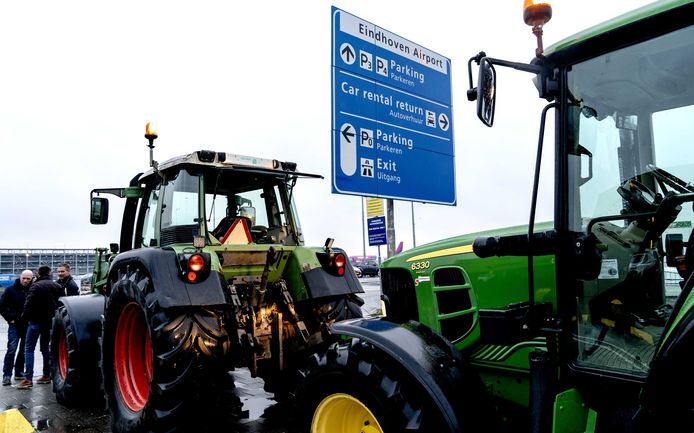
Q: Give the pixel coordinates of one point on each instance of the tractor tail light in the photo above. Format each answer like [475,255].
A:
[333,262]
[196,263]
[194,266]
[338,263]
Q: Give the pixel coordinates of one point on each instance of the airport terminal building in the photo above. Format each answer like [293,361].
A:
[14,261]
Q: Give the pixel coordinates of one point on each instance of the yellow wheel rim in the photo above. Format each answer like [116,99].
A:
[342,413]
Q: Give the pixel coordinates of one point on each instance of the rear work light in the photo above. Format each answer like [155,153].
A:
[194,266]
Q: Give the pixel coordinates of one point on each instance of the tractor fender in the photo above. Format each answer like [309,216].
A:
[85,317]
[171,290]
[430,359]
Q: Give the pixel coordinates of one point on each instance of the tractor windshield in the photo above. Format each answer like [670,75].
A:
[243,208]
[238,207]
[631,168]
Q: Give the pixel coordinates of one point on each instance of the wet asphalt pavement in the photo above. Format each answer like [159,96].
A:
[261,413]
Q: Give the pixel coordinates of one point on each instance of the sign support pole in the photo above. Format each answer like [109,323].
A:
[414,240]
[363,230]
[390,227]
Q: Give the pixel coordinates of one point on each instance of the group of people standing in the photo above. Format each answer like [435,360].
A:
[29,306]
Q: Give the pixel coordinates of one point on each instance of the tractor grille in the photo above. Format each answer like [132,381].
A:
[457,327]
[399,295]
[452,301]
[449,277]
[456,315]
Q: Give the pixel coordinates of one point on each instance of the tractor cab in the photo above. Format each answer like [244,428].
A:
[629,178]
[622,95]
[225,198]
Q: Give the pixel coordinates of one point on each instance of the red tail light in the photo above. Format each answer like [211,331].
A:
[196,263]
[339,264]
[335,263]
[194,266]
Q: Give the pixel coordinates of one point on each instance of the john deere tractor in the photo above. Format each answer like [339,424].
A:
[210,273]
[580,324]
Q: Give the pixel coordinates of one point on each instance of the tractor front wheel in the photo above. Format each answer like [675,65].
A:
[352,386]
[343,413]
[75,373]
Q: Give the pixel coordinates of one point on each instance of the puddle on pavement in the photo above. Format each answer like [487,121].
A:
[255,407]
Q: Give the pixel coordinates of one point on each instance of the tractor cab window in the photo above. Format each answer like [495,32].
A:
[237,213]
[148,238]
[180,209]
[631,173]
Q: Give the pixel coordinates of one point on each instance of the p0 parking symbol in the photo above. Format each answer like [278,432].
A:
[366,138]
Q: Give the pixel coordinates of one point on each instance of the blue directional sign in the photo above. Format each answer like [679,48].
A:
[392,115]
[377,230]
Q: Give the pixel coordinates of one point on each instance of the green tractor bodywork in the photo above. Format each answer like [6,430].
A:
[211,272]
[584,323]
[446,287]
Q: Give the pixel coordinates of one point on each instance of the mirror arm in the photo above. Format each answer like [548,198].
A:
[546,84]
[527,67]
[118,192]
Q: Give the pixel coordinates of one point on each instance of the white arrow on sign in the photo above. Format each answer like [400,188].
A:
[347,53]
[348,149]
[443,122]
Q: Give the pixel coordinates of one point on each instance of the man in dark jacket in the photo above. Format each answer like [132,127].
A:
[11,307]
[39,309]
[66,281]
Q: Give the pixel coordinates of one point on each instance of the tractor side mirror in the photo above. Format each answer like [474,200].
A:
[99,210]
[486,92]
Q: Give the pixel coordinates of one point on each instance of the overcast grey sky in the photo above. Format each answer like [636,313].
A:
[80,79]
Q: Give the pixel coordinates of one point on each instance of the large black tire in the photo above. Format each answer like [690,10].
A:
[353,387]
[75,373]
[159,365]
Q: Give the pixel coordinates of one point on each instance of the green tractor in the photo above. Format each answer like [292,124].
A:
[581,324]
[210,273]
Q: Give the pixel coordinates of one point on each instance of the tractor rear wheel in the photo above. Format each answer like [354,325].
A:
[159,364]
[352,386]
[75,375]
